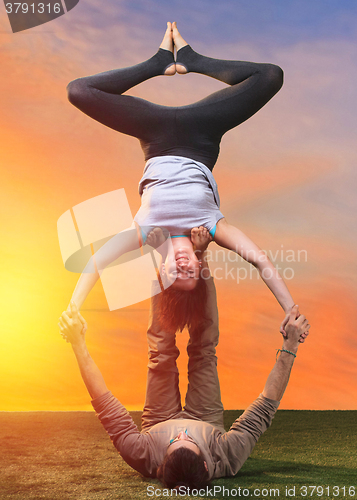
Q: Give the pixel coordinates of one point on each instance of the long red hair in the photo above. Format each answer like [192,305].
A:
[179,309]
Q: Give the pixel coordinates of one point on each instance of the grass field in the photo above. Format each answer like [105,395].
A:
[68,456]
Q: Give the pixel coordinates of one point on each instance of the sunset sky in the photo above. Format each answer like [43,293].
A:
[287,178]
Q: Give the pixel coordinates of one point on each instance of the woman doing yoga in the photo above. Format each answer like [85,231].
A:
[181,146]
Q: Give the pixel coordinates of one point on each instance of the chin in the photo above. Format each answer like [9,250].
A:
[185,285]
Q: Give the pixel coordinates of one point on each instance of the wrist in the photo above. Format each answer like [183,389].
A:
[76,300]
[287,308]
[291,346]
[79,347]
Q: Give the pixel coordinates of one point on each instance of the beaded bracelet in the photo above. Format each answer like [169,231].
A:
[284,350]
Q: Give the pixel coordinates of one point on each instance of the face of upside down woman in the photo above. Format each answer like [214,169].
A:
[182,266]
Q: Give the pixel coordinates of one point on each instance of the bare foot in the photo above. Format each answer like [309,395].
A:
[179,43]
[155,238]
[168,44]
[200,238]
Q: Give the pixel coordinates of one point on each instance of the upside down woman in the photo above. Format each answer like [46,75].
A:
[181,146]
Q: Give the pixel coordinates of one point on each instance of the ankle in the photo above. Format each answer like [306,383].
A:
[184,59]
[164,62]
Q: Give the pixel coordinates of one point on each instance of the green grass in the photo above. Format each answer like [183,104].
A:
[68,456]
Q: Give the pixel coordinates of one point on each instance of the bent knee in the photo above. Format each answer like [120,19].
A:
[275,76]
[75,91]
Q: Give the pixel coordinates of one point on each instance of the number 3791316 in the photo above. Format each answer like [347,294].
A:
[40,8]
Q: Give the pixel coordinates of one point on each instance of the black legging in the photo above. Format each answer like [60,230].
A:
[193,131]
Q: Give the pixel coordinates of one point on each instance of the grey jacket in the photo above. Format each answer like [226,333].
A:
[224,452]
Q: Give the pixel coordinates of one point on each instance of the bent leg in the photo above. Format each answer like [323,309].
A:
[163,400]
[203,398]
[252,85]
[100,96]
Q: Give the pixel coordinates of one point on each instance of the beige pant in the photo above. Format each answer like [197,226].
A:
[203,398]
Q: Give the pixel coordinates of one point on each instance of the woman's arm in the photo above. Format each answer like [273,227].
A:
[233,239]
[121,243]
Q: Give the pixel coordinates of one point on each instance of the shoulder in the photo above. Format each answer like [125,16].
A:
[221,226]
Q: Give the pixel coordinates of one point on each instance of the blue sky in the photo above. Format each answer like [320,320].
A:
[274,21]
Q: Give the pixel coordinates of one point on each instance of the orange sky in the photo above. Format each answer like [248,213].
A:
[285,178]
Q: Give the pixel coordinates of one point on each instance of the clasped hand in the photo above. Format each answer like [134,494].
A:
[294,319]
[72,325]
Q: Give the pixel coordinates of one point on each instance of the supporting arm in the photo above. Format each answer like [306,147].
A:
[73,327]
[279,376]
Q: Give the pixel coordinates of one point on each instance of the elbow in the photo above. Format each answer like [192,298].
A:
[259,260]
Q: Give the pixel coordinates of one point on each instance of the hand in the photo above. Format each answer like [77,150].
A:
[72,325]
[303,336]
[156,238]
[285,321]
[200,239]
[297,327]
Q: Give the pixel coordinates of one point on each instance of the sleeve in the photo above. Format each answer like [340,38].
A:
[240,440]
[133,446]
